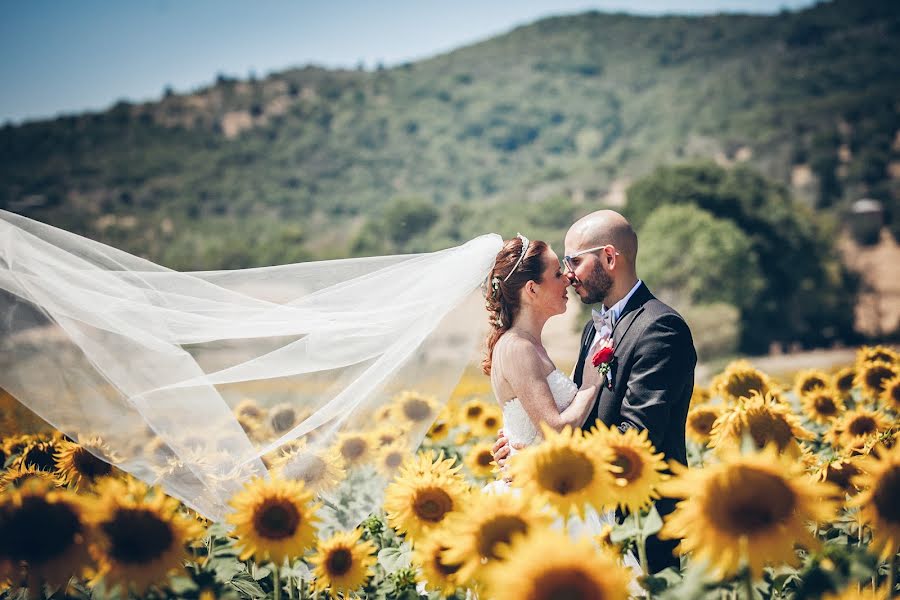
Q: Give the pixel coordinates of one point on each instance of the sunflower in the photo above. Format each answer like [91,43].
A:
[78,464]
[700,420]
[879,502]
[273,519]
[429,463]
[160,450]
[840,471]
[438,431]
[416,503]
[471,412]
[15,477]
[565,470]
[548,565]
[823,405]
[480,461]
[16,443]
[343,562]
[700,395]
[749,508]
[637,469]
[355,448]
[389,458]
[857,427]
[38,454]
[764,420]
[809,381]
[871,377]
[142,535]
[319,471]
[890,397]
[282,418]
[843,381]
[740,379]
[870,354]
[490,422]
[476,535]
[385,436]
[248,407]
[416,408]
[385,413]
[439,574]
[47,529]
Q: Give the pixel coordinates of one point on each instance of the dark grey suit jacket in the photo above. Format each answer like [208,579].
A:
[652,377]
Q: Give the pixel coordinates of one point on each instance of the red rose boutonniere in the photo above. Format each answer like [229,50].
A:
[603,357]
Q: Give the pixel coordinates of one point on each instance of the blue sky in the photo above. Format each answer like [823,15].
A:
[65,57]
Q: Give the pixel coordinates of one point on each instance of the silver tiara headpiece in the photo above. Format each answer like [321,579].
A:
[525,244]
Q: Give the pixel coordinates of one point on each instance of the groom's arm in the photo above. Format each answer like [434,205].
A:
[664,361]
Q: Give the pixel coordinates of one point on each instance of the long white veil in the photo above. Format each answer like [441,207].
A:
[156,362]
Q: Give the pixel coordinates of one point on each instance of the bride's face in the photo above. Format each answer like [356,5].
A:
[551,293]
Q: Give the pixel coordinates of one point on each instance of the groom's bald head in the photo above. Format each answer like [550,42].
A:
[600,228]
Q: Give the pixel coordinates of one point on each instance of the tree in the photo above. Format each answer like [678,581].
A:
[808,294]
[405,218]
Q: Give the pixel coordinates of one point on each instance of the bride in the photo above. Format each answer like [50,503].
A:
[527,288]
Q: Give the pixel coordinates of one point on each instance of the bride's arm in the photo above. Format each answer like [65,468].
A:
[524,371]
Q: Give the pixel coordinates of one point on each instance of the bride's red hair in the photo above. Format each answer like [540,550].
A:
[503,296]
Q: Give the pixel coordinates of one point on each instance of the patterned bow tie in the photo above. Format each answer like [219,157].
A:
[603,322]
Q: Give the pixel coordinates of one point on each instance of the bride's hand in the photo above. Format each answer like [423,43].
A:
[590,377]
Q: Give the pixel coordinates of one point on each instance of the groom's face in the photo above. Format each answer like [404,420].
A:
[591,281]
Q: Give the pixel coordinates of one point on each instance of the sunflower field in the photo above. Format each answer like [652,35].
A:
[792,491]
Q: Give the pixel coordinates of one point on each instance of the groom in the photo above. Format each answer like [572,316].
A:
[651,374]
[652,371]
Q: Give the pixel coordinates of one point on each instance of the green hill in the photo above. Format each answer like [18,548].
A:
[559,115]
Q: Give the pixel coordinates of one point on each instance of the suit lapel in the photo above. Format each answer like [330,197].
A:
[633,308]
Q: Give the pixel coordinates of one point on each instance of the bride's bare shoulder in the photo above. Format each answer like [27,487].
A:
[514,349]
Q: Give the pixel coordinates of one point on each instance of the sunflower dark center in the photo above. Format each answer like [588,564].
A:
[276,519]
[42,530]
[473,412]
[768,427]
[885,496]
[843,476]
[416,409]
[283,419]
[393,460]
[353,448]
[845,382]
[741,387]
[339,562]
[703,422]
[386,438]
[862,425]
[438,428]
[484,458]
[137,536]
[895,394]
[630,464]
[568,583]
[825,405]
[89,465]
[40,456]
[496,531]
[877,376]
[569,473]
[490,422]
[813,383]
[432,504]
[440,566]
[756,501]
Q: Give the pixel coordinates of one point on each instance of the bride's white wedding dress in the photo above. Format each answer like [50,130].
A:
[520,429]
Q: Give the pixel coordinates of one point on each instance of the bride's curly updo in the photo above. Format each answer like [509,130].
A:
[504,283]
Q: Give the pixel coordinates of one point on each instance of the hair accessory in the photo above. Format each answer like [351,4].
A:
[525,244]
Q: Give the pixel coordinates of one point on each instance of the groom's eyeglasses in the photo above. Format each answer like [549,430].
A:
[570,264]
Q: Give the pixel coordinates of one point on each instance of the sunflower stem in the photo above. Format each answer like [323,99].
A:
[748,583]
[276,577]
[642,545]
[892,575]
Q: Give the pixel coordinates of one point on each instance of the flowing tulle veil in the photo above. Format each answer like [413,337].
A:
[153,363]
